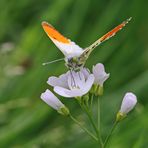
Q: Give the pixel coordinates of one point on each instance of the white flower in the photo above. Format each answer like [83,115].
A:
[49,98]
[72,84]
[100,75]
[128,103]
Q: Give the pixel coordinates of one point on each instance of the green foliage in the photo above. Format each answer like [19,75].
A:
[25,121]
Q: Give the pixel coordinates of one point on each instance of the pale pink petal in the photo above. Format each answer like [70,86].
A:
[58,81]
[89,82]
[100,75]
[80,80]
[76,93]
[71,80]
[62,91]
[84,89]
[85,72]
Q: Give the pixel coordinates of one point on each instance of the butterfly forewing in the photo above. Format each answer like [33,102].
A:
[67,47]
[105,37]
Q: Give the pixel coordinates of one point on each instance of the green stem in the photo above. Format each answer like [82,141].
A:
[84,108]
[85,129]
[91,102]
[88,113]
[109,135]
[99,124]
[92,122]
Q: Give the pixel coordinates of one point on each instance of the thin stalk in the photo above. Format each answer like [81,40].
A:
[92,121]
[95,128]
[89,116]
[110,134]
[91,102]
[85,129]
[88,113]
[99,123]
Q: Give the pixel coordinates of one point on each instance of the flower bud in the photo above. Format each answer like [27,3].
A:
[128,103]
[49,98]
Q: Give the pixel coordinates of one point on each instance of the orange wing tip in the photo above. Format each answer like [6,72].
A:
[114,31]
[53,33]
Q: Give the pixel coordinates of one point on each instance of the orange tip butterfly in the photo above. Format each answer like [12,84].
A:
[75,56]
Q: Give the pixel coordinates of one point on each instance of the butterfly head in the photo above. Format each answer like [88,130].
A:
[74,63]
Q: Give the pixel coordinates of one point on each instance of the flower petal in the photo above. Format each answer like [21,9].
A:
[89,82]
[100,75]
[61,81]
[62,91]
[80,79]
[85,72]
[75,92]
[84,89]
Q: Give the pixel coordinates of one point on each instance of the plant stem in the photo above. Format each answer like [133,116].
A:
[99,124]
[109,135]
[85,129]
[95,128]
[92,122]
[91,102]
[88,113]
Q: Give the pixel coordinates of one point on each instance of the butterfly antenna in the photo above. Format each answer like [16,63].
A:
[52,61]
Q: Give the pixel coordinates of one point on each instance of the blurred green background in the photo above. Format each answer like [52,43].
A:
[26,121]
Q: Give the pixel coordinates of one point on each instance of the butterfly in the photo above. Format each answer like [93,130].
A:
[75,56]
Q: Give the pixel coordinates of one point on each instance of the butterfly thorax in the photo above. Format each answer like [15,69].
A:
[74,63]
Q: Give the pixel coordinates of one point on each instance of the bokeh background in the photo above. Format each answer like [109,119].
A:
[26,121]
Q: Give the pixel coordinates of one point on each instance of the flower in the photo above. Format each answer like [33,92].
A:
[128,103]
[72,84]
[49,98]
[100,75]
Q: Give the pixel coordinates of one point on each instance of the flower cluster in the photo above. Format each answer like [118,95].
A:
[74,84]
[85,85]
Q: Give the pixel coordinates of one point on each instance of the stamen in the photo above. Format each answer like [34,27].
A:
[79,75]
[73,84]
